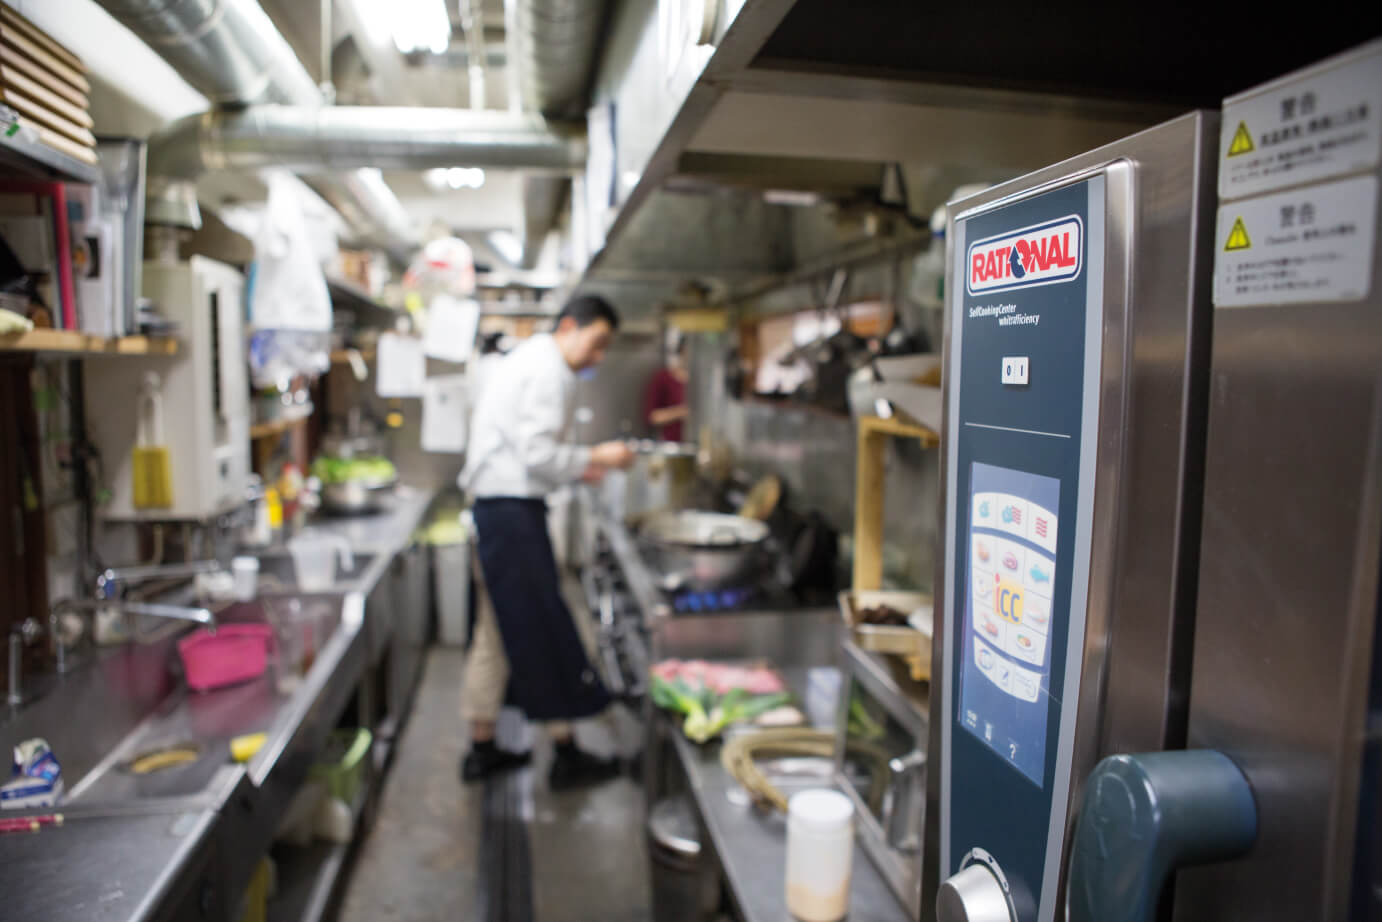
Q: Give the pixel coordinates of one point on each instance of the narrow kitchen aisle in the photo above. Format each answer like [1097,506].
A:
[508,850]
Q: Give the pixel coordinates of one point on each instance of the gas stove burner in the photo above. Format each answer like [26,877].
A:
[712,600]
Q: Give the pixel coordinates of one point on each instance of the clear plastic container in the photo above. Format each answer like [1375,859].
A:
[314,559]
[820,855]
[245,572]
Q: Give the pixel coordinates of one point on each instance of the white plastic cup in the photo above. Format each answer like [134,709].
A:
[245,572]
[820,855]
[314,559]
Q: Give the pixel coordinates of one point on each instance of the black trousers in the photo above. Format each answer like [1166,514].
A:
[550,677]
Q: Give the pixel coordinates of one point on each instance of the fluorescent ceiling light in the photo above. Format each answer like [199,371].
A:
[414,25]
[793,197]
[456,177]
[507,245]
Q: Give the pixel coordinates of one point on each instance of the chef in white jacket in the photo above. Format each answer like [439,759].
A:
[530,654]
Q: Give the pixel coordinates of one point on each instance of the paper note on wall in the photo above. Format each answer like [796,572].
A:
[451,325]
[402,366]
[444,408]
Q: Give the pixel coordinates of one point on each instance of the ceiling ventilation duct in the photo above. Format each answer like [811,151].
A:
[555,43]
[325,138]
[231,52]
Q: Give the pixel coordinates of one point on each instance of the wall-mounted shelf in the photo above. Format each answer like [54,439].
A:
[342,356]
[870,425]
[21,155]
[279,426]
[874,433]
[72,342]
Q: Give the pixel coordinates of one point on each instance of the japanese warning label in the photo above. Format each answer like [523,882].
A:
[1305,245]
[1306,129]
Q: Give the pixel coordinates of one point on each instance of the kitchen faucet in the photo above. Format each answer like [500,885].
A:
[109,582]
[196,614]
[21,635]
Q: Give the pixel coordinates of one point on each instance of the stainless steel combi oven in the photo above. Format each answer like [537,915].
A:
[1156,655]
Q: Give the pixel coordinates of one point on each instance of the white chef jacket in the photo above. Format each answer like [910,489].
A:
[520,425]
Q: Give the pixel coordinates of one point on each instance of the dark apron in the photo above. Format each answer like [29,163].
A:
[550,677]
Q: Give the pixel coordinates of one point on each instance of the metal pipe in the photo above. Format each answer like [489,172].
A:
[314,140]
[473,24]
[231,52]
[543,197]
[554,42]
[556,50]
[227,49]
[107,582]
[16,690]
[195,614]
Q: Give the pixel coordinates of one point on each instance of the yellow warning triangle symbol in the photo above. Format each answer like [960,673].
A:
[1242,141]
[1238,237]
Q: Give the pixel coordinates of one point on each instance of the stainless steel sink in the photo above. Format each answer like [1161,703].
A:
[278,575]
[205,722]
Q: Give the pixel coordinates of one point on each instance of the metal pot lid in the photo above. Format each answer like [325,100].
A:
[672,826]
[707,530]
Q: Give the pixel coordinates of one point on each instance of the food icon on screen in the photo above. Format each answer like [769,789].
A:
[1012,515]
[1039,573]
[990,628]
[984,509]
[1036,618]
[1010,560]
[982,550]
[1024,641]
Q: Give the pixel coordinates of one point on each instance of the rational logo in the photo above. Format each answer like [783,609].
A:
[1040,255]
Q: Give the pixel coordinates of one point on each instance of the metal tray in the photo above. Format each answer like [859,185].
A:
[906,641]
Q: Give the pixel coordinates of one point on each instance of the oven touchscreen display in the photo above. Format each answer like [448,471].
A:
[1008,633]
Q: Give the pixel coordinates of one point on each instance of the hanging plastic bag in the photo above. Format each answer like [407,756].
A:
[443,266]
[289,290]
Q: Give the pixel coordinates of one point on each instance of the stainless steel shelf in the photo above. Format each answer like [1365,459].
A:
[908,702]
[308,876]
[22,156]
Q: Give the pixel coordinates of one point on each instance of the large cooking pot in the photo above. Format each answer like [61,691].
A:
[662,477]
[705,550]
[355,497]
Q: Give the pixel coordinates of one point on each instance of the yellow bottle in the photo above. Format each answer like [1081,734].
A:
[274,504]
[151,467]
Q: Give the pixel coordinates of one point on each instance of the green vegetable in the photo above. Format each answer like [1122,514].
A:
[707,713]
[862,724]
[341,470]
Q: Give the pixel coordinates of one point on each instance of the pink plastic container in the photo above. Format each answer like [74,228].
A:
[234,653]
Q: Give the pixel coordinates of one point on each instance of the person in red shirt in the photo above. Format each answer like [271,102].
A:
[664,405]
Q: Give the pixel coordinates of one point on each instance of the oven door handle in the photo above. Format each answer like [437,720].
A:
[1146,815]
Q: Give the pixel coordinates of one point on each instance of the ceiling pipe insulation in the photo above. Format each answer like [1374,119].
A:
[231,52]
[310,140]
[555,43]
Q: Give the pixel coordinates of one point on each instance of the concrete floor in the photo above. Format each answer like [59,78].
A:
[506,851]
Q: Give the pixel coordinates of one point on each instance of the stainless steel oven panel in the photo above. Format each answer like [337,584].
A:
[1148,386]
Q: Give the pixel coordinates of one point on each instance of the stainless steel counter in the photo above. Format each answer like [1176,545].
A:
[127,854]
[390,529]
[118,867]
[751,844]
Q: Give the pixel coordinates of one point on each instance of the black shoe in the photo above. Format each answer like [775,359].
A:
[486,759]
[575,768]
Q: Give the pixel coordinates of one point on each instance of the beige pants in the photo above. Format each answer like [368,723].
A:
[487,668]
